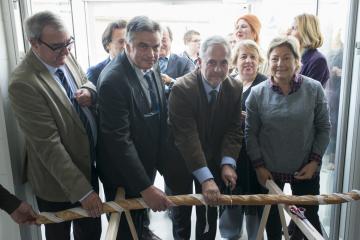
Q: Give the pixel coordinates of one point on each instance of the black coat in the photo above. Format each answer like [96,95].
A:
[130,136]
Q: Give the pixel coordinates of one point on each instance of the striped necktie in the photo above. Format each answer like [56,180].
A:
[152,91]
[76,105]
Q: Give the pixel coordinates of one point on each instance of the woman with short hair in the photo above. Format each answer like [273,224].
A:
[287,129]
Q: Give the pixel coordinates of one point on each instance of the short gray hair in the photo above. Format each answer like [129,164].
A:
[215,40]
[141,24]
[35,24]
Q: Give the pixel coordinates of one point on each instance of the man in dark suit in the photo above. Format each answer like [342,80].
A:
[53,100]
[132,111]
[172,65]
[20,212]
[205,120]
[113,41]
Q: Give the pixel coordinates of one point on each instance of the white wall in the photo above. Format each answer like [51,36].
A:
[8,229]
[11,141]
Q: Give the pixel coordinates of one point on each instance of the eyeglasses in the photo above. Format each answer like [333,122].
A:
[59,47]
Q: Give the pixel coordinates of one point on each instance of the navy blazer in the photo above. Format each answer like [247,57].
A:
[178,66]
[93,72]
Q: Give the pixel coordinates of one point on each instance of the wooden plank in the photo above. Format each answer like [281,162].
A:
[113,227]
[264,218]
[114,221]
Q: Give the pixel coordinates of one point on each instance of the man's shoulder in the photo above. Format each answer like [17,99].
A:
[188,81]
[23,72]
[232,82]
[99,67]
[177,58]
[115,72]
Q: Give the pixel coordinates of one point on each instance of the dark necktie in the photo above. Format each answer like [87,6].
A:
[213,95]
[163,64]
[152,91]
[84,119]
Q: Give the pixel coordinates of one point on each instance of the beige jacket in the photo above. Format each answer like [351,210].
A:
[57,147]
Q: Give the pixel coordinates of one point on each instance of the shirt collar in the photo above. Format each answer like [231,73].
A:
[137,70]
[296,82]
[167,57]
[51,69]
[208,88]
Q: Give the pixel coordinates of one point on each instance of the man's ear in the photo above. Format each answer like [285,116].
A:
[34,43]
[127,47]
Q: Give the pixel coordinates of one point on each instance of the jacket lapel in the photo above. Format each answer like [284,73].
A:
[160,87]
[45,77]
[134,82]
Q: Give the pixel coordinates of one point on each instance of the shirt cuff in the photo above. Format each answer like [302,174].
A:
[202,174]
[229,161]
[315,157]
[86,195]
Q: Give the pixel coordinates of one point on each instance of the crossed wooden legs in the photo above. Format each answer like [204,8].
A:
[305,226]
[113,227]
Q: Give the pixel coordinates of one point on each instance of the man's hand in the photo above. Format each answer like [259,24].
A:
[263,175]
[243,115]
[24,214]
[166,79]
[228,175]
[93,205]
[307,171]
[210,192]
[83,97]
[156,199]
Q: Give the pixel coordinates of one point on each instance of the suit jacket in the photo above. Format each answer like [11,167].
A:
[8,202]
[200,143]
[178,66]
[129,148]
[58,164]
[93,72]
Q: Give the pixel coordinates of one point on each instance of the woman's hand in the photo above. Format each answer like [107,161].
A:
[263,175]
[307,172]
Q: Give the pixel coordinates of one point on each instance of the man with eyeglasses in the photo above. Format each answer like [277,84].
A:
[132,123]
[53,102]
[205,122]
[192,41]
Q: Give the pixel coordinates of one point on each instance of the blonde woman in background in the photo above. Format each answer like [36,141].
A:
[306,28]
